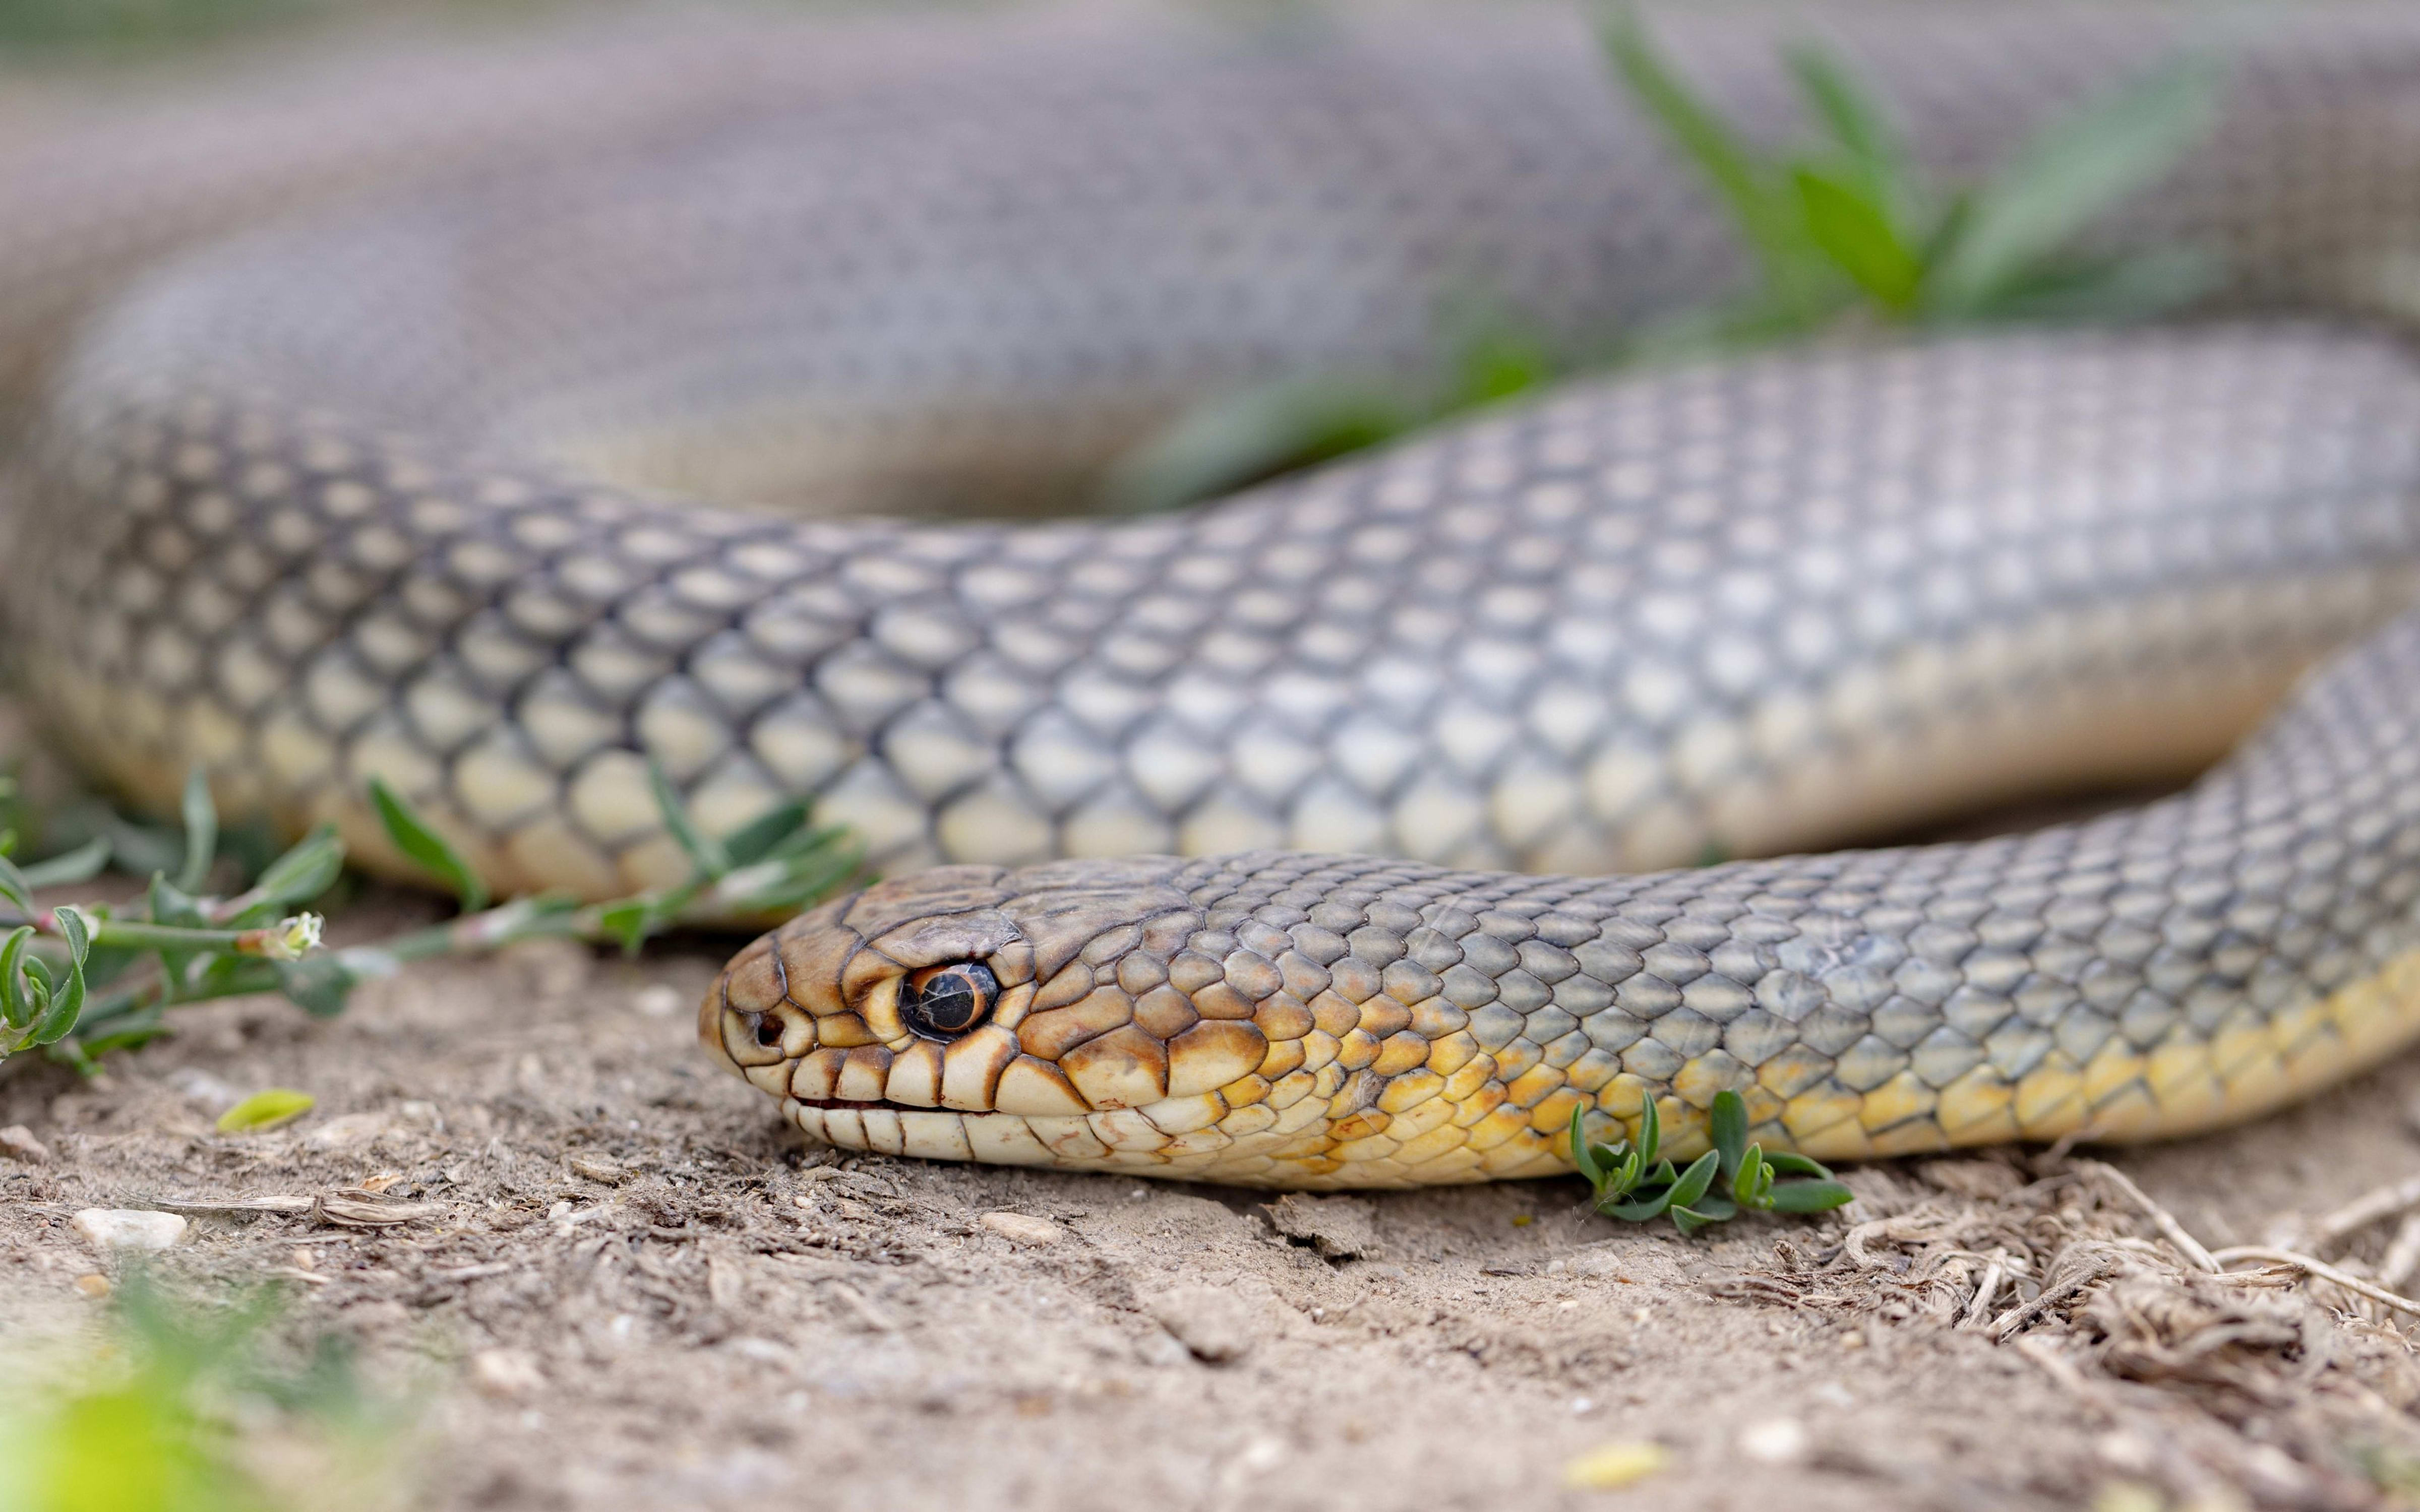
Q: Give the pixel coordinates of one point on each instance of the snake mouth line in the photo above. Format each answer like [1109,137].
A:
[836,1102]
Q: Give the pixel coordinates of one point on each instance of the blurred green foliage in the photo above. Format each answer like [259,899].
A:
[118,24]
[188,1408]
[1845,230]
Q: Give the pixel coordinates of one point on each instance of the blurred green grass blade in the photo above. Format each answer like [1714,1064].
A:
[13,887]
[1855,231]
[82,864]
[1746,182]
[425,847]
[759,837]
[2112,291]
[704,852]
[1232,442]
[2069,174]
[1855,119]
[303,873]
[1500,364]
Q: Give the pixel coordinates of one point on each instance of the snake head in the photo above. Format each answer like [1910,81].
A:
[1084,1014]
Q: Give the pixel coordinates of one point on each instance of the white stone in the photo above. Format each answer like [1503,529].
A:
[19,1141]
[129,1228]
[503,1373]
[1776,1440]
[1017,1229]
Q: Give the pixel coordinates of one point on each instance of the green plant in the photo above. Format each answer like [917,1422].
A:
[187,1407]
[81,979]
[1850,225]
[1847,230]
[1637,1184]
[1261,432]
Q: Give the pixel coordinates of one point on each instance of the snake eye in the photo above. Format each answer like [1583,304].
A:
[944,1002]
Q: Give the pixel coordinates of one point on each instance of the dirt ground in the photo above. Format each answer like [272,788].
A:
[632,1286]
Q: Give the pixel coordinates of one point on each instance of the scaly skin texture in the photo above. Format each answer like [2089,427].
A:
[375,490]
[1320,1021]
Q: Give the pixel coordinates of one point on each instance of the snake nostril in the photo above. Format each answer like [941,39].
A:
[767,1030]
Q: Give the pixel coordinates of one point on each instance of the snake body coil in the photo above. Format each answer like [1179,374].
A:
[388,487]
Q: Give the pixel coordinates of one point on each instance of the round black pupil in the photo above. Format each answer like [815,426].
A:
[951,1002]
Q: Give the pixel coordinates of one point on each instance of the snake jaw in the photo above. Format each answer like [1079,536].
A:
[1103,1038]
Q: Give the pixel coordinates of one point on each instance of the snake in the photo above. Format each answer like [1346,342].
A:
[711,392]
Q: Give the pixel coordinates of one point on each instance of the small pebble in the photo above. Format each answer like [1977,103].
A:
[94,1285]
[1776,1440]
[1340,1228]
[1214,1325]
[657,1002]
[129,1228]
[19,1141]
[1017,1229]
[604,1169]
[1612,1466]
[347,1130]
[503,1373]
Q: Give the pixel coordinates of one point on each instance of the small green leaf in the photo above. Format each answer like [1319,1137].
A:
[168,903]
[1855,232]
[298,876]
[1752,1185]
[800,872]
[1727,1125]
[1856,120]
[2110,290]
[14,887]
[1746,182]
[1789,1163]
[1713,1208]
[82,864]
[201,832]
[16,1007]
[427,849]
[705,853]
[66,1005]
[761,836]
[2071,172]
[1809,1197]
[1238,440]
[1498,363]
[1584,1154]
[1650,1206]
[1651,1131]
[632,920]
[266,1110]
[1611,1158]
[78,934]
[1696,1179]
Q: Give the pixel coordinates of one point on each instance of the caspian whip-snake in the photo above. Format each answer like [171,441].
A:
[366,455]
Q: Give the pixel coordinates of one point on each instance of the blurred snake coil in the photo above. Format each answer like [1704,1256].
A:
[1339,833]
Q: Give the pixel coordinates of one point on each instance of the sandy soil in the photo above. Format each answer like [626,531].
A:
[635,1287]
